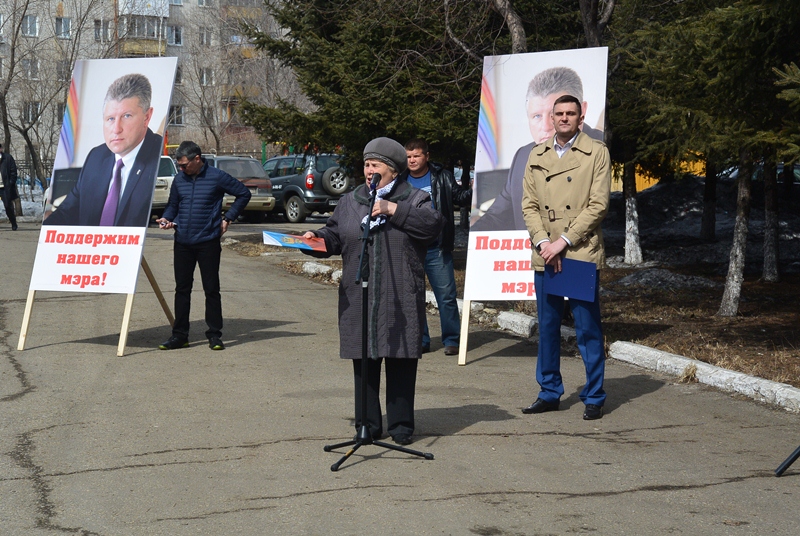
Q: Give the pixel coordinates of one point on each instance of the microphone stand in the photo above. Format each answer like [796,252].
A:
[787,462]
[364,437]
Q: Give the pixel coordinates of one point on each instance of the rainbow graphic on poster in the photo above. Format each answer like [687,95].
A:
[487,123]
[69,127]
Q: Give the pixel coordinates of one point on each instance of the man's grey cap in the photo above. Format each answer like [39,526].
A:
[387,151]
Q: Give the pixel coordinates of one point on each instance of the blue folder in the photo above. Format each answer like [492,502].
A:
[576,280]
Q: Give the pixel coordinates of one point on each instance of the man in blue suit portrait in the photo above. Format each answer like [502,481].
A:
[115,185]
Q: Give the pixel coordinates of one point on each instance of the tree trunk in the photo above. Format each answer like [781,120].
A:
[519,41]
[594,23]
[769,272]
[788,184]
[733,282]
[633,249]
[708,224]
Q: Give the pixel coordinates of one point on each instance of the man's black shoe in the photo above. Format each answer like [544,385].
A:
[215,343]
[592,412]
[402,439]
[540,406]
[13,226]
[173,343]
[426,348]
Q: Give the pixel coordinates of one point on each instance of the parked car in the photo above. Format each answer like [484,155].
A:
[303,184]
[166,172]
[251,174]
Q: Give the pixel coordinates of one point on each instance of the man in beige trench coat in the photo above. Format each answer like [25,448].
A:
[566,192]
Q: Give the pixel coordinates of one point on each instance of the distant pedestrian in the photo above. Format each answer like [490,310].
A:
[194,210]
[458,171]
[445,193]
[8,185]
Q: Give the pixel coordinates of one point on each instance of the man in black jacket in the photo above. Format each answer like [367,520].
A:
[194,210]
[8,185]
[445,193]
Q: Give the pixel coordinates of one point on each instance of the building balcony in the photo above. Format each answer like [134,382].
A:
[131,47]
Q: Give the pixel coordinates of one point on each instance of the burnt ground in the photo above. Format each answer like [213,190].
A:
[670,302]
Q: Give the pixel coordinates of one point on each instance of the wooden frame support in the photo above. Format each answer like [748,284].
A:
[26,320]
[157,291]
[462,340]
[126,316]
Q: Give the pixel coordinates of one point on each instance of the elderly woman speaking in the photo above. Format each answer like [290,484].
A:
[403,223]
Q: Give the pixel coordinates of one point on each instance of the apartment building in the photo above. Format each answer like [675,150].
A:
[217,67]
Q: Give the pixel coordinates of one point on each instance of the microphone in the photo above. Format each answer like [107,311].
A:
[373,182]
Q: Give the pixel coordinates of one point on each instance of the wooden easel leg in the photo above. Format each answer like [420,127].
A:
[126,320]
[157,290]
[462,340]
[26,320]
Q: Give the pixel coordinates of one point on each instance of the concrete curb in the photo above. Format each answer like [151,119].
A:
[780,394]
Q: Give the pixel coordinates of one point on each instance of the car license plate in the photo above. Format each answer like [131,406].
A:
[333,202]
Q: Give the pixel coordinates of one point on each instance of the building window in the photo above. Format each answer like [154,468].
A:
[205,36]
[31,111]
[30,68]
[102,30]
[208,116]
[206,3]
[30,26]
[176,115]
[176,2]
[63,27]
[174,35]
[60,110]
[63,70]
[178,75]
[144,27]
[206,76]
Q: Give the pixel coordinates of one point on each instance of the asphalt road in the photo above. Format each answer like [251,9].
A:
[193,442]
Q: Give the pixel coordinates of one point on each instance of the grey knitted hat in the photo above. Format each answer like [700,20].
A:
[387,151]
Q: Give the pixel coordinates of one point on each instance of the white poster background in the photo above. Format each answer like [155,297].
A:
[64,260]
[498,262]
[101,262]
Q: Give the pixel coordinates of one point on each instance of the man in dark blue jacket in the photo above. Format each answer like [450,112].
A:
[194,210]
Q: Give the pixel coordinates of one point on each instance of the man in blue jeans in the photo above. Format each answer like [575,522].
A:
[445,193]
[194,210]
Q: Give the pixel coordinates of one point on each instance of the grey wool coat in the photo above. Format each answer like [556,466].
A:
[396,271]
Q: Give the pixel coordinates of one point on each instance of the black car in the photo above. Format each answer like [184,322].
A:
[302,184]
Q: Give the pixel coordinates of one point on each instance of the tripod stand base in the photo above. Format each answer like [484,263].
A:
[789,461]
[364,438]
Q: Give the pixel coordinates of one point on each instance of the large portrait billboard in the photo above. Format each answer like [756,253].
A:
[98,205]
[517,96]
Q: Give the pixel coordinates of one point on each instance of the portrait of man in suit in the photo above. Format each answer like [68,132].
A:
[115,185]
[505,213]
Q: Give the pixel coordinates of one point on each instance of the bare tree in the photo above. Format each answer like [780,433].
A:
[733,281]
[596,15]
[37,69]
[220,68]
[519,42]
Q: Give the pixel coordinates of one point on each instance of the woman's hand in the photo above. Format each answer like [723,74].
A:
[384,207]
[309,234]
